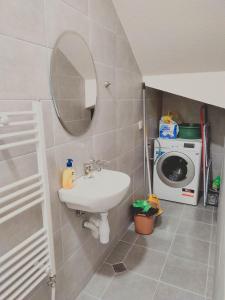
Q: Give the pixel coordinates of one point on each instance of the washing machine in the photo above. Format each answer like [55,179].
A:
[177,169]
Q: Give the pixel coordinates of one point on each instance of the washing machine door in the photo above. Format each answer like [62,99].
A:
[175,169]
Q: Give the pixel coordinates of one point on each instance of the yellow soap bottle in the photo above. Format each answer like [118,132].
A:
[68,176]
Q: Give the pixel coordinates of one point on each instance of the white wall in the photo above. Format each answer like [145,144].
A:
[208,87]
[175,36]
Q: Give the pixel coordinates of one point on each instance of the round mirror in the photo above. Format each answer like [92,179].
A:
[73,83]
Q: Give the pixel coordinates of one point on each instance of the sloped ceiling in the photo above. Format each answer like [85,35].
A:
[175,36]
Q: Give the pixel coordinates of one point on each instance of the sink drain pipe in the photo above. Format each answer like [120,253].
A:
[99,227]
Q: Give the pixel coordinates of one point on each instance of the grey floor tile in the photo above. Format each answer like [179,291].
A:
[131,227]
[130,236]
[195,230]
[171,208]
[210,283]
[118,253]
[167,292]
[201,205]
[212,255]
[84,296]
[100,281]
[167,223]
[185,274]
[159,240]
[186,247]
[145,261]
[130,286]
[213,236]
[215,217]
[198,214]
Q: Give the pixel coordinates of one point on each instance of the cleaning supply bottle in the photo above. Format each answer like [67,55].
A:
[68,176]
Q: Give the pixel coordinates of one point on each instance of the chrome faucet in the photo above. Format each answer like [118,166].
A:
[94,165]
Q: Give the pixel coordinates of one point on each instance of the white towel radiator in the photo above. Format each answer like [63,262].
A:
[23,267]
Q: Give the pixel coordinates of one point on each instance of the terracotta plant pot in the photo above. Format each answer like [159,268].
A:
[144,224]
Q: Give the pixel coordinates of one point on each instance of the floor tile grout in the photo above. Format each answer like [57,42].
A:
[171,245]
[174,234]
[89,294]
[166,252]
[166,283]
[167,256]
[208,269]
[112,264]
[182,289]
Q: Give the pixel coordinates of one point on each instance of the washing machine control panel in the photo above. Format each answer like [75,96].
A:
[189,145]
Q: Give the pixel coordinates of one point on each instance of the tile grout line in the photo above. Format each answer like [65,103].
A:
[208,268]
[164,252]
[89,294]
[168,253]
[114,275]
[132,244]
[166,283]
[131,248]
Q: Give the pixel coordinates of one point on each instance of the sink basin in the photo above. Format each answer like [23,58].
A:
[98,194]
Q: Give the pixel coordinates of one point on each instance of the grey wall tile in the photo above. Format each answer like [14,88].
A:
[124,54]
[26,48]
[103,43]
[105,116]
[47,107]
[103,12]
[58,249]
[127,89]
[60,17]
[105,146]
[24,20]
[124,113]
[80,5]
[124,140]
[105,73]
[24,71]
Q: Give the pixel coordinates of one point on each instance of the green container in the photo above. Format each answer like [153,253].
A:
[189,131]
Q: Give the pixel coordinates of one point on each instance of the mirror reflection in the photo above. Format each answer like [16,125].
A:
[73,83]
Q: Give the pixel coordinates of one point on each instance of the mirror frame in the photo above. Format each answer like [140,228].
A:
[50,78]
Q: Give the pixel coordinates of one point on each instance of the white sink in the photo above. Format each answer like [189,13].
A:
[98,194]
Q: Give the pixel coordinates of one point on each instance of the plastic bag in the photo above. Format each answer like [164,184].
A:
[168,130]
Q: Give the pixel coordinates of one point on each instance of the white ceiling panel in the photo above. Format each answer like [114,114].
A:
[175,36]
